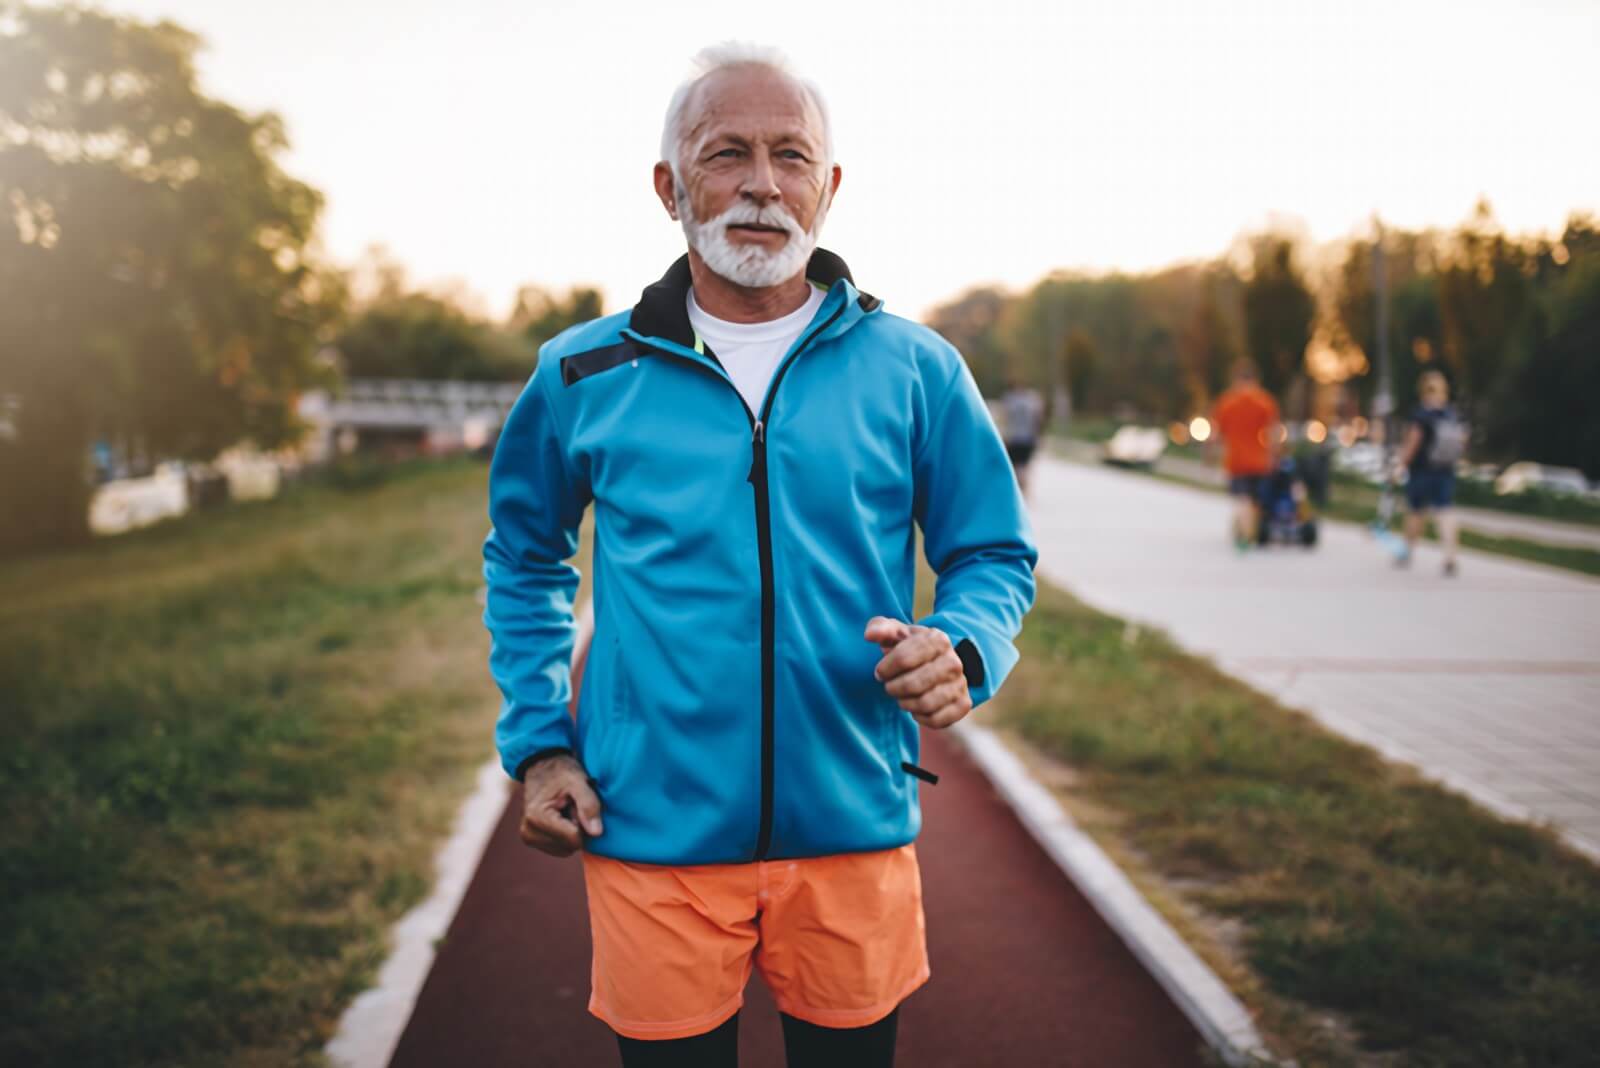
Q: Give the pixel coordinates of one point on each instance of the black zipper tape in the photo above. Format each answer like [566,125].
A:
[922,773]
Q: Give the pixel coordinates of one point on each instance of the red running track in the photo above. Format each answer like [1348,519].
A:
[1024,971]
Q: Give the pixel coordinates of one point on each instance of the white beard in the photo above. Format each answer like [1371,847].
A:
[751,266]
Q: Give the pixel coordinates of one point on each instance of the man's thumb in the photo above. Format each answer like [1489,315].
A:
[886,631]
[587,804]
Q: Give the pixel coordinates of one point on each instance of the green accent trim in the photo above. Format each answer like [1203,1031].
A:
[699,343]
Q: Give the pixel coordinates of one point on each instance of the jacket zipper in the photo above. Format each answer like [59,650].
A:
[758,481]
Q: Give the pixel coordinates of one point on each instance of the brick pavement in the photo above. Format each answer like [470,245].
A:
[1489,682]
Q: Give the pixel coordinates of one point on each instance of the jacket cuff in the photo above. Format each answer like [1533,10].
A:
[971,663]
[529,761]
[525,733]
[984,660]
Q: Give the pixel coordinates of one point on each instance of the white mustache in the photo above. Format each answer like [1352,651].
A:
[746,214]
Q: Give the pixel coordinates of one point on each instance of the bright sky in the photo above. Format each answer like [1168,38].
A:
[495,142]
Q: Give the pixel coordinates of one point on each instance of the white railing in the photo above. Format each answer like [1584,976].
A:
[400,403]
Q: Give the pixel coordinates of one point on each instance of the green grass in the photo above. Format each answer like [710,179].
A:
[231,744]
[1444,935]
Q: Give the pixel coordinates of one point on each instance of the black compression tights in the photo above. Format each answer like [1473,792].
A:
[805,1045]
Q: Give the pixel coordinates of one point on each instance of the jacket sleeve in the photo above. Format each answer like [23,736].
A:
[976,534]
[536,504]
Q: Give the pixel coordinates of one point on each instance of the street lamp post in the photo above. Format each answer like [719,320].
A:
[1383,396]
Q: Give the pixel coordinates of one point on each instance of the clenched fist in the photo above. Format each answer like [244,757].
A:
[921,670]
[559,806]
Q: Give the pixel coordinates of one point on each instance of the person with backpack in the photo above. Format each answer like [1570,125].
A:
[1436,439]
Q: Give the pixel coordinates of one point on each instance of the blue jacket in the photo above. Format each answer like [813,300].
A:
[729,711]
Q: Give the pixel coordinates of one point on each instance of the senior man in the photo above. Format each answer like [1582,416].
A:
[758,439]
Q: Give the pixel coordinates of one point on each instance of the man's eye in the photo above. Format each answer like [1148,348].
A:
[729,153]
[790,153]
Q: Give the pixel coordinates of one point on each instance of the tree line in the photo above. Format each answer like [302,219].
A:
[160,283]
[1513,321]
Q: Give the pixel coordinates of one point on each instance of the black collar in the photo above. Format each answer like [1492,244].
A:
[663,312]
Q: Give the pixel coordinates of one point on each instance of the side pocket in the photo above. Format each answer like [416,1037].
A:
[601,718]
[620,695]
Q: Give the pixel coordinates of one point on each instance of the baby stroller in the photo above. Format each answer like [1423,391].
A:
[1287,516]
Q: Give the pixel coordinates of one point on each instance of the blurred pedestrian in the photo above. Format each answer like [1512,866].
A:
[1435,441]
[760,441]
[1247,430]
[1023,409]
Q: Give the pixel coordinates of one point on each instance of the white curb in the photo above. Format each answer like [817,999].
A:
[1220,1017]
[371,1027]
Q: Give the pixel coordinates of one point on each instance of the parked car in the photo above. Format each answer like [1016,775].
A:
[1135,446]
[1526,475]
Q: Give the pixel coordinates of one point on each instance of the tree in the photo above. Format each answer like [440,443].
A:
[1035,328]
[969,323]
[1278,312]
[1415,333]
[1209,338]
[1549,409]
[1189,319]
[1080,362]
[416,335]
[540,315]
[155,281]
[1484,294]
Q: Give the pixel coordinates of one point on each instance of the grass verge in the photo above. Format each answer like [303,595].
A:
[1382,919]
[231,745]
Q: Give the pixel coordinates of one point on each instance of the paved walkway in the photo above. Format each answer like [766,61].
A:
[1489,682]
[1024,971]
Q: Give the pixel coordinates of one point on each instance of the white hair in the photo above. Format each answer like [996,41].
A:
[721,57]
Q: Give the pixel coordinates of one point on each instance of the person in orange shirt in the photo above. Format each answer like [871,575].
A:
[1246,422]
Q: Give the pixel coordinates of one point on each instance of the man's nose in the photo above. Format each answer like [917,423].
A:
[761,181]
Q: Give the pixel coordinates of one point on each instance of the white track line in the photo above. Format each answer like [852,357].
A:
[372,1025]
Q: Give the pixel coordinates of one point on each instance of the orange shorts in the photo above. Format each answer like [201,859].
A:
[839,940]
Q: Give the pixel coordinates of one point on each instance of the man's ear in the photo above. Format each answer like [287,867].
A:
[666,188]
[829,187]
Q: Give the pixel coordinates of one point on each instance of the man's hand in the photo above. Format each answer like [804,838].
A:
[921,670]
[559,806]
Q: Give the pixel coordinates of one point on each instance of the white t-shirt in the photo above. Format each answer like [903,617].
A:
[751,351]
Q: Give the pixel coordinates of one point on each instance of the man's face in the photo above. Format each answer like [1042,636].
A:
[753,183]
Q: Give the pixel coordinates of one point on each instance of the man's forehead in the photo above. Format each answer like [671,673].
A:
[753,100]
